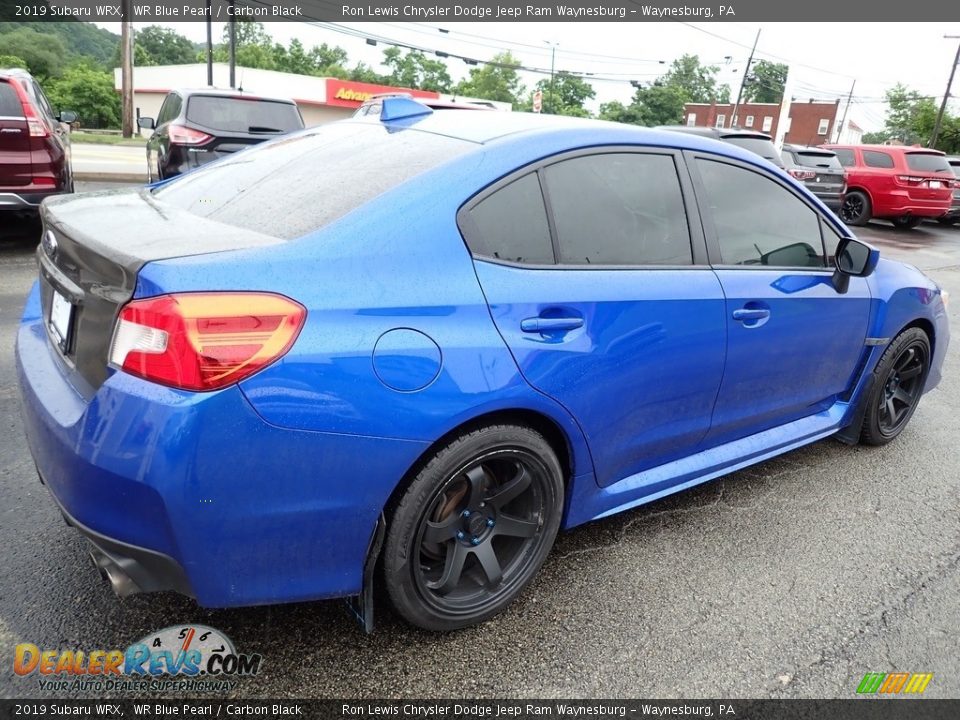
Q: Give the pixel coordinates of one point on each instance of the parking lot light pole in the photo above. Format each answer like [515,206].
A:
[946,95]
[233,49]
[553,58]
[209,45]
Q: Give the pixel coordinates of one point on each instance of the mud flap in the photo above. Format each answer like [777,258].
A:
[851,433]
[361,606]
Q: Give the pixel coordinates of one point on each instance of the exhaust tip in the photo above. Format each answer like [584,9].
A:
[121,583]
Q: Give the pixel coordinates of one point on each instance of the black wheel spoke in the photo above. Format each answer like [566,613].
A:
[452,569]
[442,531]
[490,564]
[890,411]
[905,359]
[903,396]
[911,372]
[478,480]
[515,527]
[512,489]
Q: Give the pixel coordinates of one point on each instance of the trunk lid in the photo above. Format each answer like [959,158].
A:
[92,248]
[15,164]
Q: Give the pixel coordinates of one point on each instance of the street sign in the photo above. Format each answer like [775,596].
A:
[538,101]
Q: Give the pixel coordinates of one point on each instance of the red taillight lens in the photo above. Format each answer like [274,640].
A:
[45,181]
[187,136]
[802,174]
[204,341]
[34,123]
[910,179]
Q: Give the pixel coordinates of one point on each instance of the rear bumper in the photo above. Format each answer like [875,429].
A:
[899,204]
[23,200]
[194,492]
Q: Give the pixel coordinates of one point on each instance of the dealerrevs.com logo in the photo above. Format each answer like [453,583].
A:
[192,658]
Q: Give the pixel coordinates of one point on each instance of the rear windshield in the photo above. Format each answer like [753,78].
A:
[9,101]
[819,160]
[243,115]
[761,146]
[927,162]
[297,184]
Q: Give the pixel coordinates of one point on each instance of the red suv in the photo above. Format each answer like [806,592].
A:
[901,184]
[34,148]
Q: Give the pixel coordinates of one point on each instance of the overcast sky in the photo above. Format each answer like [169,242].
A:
[825,58]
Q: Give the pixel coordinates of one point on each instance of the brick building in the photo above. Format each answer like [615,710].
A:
[811,122]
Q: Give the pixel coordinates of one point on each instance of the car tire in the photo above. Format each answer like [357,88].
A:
[473,527]
[856,208]
[907,222]
[898,384]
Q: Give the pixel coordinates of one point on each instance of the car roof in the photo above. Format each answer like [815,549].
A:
[224,92]
[887,148]
[15,72]
[716,132]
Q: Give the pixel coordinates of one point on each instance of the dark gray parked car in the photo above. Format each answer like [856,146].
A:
[818,169]
[752,140]
[953,214]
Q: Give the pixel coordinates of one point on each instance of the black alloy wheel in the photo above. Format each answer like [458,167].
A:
[855,209]
[898,384]
[474,528]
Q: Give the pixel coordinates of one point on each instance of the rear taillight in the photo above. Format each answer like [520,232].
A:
[802,174]
[187,136]
[910,179]
[34,124]
[204,341]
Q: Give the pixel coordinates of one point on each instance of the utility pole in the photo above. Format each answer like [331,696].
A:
[126,70]
[743,80]
[946,95]
[845,109]
[233,49]
[209,45]
[553,58]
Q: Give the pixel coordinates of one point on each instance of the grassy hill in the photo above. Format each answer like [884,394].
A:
[79,38]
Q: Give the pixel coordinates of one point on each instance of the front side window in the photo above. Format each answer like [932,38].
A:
[876,159]
[758,221]
[619,209]
[846,157]
[511,224]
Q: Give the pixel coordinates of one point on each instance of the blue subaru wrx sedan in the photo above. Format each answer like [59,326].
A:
[425,341]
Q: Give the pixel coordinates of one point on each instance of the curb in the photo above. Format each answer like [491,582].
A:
[135,178]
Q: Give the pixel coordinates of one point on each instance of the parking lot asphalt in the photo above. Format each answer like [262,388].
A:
[792,578]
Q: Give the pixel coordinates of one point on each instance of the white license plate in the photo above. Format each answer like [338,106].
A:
[61,312]
[935,184]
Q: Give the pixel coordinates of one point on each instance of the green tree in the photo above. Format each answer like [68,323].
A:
[12,61]
[696,82]
[88,91]
[876,138]
[616,111]
[362,72]
[766,82]
[567,96]
[415,70]
[164,46]
[910,115]
[497,80]
[42,52]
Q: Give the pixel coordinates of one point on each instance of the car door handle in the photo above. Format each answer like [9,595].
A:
[541,324]
[751,314]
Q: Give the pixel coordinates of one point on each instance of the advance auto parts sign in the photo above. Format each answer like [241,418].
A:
[192,658]
[344,93]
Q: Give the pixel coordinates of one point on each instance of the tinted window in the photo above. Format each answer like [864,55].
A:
[758,221]
[873,158]
[955,166]
[845,157]
[619,209]
[9,101]
[819,160]
[511,224]
[297,184]
[170,109]
[927,162]
[242,115]
[760,146]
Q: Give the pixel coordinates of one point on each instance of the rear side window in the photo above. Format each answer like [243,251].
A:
[171,108]
[619,209]
[758,221]
[9,101]
[845,157]
[874,158]
[228,114]
[299,183]
[927,162]
[511,224]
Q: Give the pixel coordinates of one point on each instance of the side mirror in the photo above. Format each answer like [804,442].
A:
[853,259]
[67,116]
[146,123]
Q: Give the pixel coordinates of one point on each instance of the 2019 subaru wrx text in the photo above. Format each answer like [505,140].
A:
[469,331]
[34,147]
